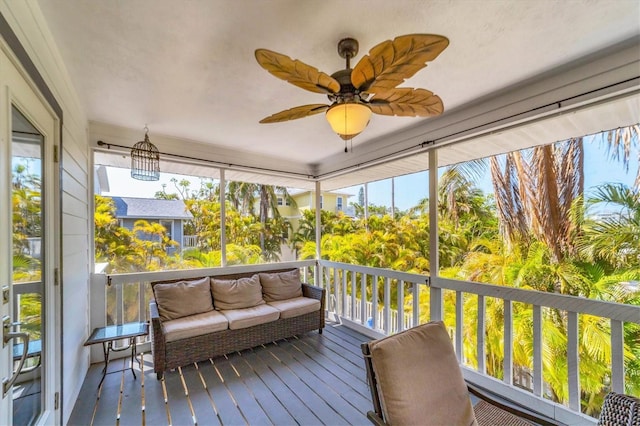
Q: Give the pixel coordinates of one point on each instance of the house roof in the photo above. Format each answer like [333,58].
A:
[515,73]
[146,208]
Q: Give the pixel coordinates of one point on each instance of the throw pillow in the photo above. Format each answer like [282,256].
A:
[183,298]
[236,294]
[281,285]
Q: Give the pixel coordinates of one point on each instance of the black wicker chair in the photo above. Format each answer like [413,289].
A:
[414,378]
[620,410]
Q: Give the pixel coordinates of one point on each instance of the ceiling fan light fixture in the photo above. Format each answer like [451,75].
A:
[348,119]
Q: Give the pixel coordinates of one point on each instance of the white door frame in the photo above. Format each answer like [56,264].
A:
[18,89]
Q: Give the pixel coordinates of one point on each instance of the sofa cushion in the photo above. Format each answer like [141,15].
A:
[194,325]
[182,298]
[248,317]
[281,285]
[433,388]
[236,294]
[295,307]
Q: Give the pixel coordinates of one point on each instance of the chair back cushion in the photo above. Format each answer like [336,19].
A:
[419,379]
[236,294]
[281,285]
[182,298]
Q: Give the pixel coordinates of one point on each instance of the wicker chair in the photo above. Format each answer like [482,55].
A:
[620,410]
[415,378]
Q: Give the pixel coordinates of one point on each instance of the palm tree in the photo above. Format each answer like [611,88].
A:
[242,196]
[536,191]
[613,238]
[619,143]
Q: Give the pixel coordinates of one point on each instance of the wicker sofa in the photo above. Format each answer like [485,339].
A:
[240,311]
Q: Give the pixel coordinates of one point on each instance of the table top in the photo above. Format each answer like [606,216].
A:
[35,347]
[115,332]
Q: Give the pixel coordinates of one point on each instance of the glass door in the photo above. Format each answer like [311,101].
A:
[29,251]
[26,280]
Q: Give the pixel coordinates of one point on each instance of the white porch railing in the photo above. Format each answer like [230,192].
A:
[349,285]
[375,302]
[189,241]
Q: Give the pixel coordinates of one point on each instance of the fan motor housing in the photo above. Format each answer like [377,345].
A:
[347,91]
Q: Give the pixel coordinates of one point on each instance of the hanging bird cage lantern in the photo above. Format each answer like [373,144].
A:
[145,160]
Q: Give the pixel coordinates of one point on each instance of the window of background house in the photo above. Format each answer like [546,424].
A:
[168,225]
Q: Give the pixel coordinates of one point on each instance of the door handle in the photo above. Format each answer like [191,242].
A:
[6,336]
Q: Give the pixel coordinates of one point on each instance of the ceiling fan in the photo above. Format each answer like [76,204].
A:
[371,86]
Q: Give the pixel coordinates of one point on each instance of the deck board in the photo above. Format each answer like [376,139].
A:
[251,410]
[276,413]
[198,396]
[226,407]
[307,379]
[306,394]
[332,398]
[288,399]
[131,395]
[106,412]
[155,409]
[176,399]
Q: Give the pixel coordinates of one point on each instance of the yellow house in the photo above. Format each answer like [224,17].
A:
[331,201]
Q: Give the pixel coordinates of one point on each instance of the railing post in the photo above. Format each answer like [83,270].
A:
[336,292]
[317,274]
[482,368]
[119,317]
[435,305]
[223,220]
[98,309]
[573,361]
[507,363]
[537,350]
[142,305]
[415,314]
[617,357]
[387,305]
[400,305]
[363,298]
[374,302]
[344,303]
[354,289]
[459,324]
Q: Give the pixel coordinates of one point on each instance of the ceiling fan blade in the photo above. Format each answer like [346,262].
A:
[296,72]
[295,113]
[393,61]
[407,102]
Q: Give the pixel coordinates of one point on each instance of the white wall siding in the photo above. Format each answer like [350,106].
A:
[28,24]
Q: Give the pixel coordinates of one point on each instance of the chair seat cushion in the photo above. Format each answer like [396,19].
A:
[194,325]
[419,379]
[248,317]
[296,306]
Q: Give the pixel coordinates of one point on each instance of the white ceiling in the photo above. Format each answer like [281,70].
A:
[187,69]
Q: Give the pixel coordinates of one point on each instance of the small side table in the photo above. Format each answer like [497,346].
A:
[108,335]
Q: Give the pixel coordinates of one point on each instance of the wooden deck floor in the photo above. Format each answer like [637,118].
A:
[310,379]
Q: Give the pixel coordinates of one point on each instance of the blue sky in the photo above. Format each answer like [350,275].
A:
[409,189]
